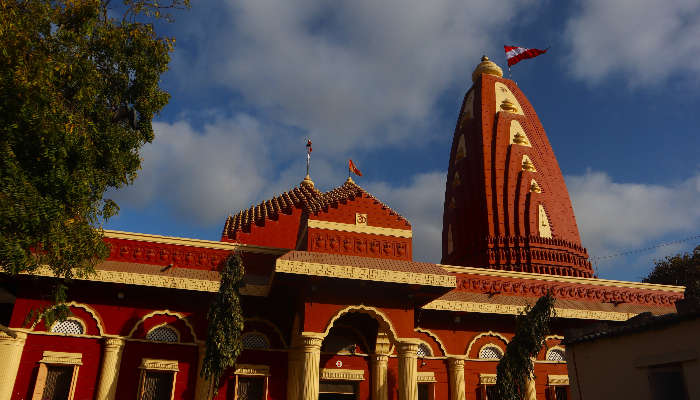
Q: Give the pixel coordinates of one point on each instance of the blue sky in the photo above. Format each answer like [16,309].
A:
[382,82]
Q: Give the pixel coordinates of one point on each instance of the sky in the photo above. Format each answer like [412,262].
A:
[381,82]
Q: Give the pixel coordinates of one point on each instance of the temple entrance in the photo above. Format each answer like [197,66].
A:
[337,390]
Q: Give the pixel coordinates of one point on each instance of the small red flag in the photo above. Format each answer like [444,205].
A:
[353,168]
[308,146]
[515,54]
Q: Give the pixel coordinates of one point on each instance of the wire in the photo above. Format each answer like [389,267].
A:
[642,250]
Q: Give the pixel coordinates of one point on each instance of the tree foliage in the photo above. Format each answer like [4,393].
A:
[225,323]
[78,92]
[681,269]
[514,369]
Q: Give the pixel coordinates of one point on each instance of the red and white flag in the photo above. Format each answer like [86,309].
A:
[515,54]
[353,168]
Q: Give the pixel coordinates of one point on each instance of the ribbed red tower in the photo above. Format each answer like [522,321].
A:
[506,203]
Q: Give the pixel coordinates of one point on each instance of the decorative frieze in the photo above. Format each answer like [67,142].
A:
[558,380]
[160,365]
[487,379]
[360,244]
[58,357]
[252,370]
[426,376]
[342,374]
[365,274]
[604,294]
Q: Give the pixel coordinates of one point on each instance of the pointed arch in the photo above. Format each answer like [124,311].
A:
[177,315]
[479,336]
[503,94]
[385,324]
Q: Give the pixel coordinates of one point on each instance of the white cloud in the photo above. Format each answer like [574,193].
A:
[200,176]
[352,74]
[421,202]
[613,216]
[642,41]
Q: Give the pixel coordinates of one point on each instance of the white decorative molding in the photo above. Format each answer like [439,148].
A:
[342,374]
[364,274]
[59,357]
[252,370]
[159,365]
[557,380]
[359,228]
[426,376]
[509,309]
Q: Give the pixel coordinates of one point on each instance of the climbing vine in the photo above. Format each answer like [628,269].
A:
[225,323]
[531,330]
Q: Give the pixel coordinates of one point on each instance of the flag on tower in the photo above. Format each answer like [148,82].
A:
[515,54]
[308,146]
[353,168]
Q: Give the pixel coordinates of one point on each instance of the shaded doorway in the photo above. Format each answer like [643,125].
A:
[337,390]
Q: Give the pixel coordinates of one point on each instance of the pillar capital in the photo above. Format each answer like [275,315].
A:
[455,361]
[311,341]
[6,340]
[114,343]
[10,356]
[408,347]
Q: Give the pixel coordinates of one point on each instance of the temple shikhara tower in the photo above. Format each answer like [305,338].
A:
[334,305]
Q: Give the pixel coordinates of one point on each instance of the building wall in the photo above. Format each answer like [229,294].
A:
[617,367]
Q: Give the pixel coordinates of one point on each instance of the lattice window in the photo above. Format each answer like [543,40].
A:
[424,350]
[490,353]
[68,327]
[250,388]
[255,341]
[157,385]
[58,381]
[163,334]
[556,355]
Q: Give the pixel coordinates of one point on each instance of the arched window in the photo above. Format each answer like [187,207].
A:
[163,334]
[424,350]
[255,341]
[556,355]
[490,352]
[70,326]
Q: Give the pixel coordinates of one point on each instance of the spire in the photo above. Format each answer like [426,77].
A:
[307,182]
[506,203]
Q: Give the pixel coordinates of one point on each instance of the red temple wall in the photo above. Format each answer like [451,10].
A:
[34,347]
[282,232]
[129,373]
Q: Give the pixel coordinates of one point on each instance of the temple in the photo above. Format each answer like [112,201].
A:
[334,305]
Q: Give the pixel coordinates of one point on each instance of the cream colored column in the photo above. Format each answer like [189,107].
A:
[408,370]
[202,388]
[294,372]
[455,365]
[380,362]
[10,355]
[530,390]
[111,362]
[311,348]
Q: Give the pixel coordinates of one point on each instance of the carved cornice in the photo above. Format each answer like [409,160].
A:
[58,357]
[508,309]
[252,370]
[487,379]
[342,374]
[365,274]
[587,289]
[197,243]
[558,278]
[133,278]
[160,365]
[356,228]
[426,376]
[557,380]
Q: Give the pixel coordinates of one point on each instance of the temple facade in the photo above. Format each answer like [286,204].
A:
[334,305]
